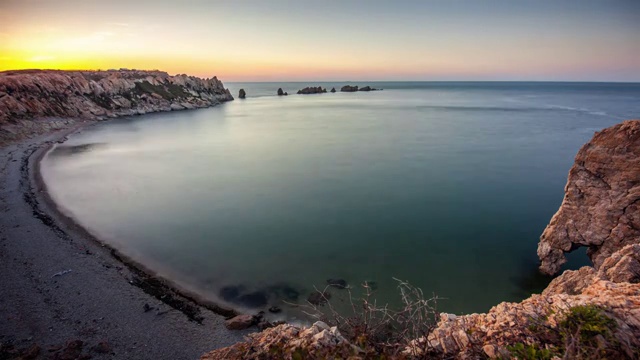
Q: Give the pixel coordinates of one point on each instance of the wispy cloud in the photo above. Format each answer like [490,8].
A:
[121,24]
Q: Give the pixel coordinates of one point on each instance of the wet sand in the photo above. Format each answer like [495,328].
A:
[65,293]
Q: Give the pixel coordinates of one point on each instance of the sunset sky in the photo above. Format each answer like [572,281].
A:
[269,40]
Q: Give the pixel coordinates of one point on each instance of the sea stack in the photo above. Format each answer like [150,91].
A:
[281,93]
[349,88]
[242,94]
[333,90]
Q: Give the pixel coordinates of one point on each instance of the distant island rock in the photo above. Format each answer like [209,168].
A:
[242,94]
[97,95]
[349,88]
[282,93]
[333,90]
[312,90]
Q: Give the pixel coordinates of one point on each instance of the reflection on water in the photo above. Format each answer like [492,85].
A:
[70,150]
[255,202]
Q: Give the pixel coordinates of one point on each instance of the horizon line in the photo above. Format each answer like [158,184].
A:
[317,80]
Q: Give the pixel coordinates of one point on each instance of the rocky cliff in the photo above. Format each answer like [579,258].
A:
[97,95]
[601,206]
[590,313]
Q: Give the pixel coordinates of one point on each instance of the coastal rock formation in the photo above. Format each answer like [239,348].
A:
[283,341]
[97,95]
[282,93]
[349,88]
[333,89]
[367,88]
[601,206]
[242,94]
[312,90]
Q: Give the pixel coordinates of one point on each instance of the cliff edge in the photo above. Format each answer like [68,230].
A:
[601,206]
[57,95]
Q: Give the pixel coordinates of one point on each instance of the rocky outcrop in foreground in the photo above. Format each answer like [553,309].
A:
[593,312]
[601,206]
[97,95]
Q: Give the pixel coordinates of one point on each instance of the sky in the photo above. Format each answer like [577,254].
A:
[271,40]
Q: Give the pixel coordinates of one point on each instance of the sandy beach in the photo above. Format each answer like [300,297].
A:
[65,295]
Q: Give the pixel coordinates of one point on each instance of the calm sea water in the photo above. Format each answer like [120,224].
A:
[446,185]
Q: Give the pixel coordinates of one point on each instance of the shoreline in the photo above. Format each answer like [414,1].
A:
[83,272]
[50,214]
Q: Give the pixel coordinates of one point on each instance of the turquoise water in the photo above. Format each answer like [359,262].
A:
[446,185]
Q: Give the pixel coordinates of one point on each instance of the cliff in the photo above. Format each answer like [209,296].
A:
[96,95]
[590,313]
[601,206]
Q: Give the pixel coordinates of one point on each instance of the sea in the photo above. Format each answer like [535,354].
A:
[260,201]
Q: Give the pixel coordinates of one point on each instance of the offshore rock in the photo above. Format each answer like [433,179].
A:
[30,99]
[281,93]
[242,94]
[349,88]
[601,206]
[312,90]
[333,89]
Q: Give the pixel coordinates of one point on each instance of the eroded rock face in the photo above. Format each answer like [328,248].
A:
[97,95]
[281,342]
[601,207]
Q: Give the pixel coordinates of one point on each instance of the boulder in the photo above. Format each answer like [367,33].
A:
[240,322]
[242,94]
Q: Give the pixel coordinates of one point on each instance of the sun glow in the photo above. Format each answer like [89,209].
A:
[260,42]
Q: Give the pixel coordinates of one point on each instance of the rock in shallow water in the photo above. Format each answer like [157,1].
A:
[240,322]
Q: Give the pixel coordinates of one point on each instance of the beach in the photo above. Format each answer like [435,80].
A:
[65,294]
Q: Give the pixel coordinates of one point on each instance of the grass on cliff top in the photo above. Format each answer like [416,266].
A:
[584,333]
[168,91]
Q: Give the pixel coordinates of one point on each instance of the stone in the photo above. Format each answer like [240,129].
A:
[242,94]
[367,88]
[490,351]
[601,206]
[349,88]
[240,322]
[102,347]
[280,92]
[318,298]
[337,283]
[333,89]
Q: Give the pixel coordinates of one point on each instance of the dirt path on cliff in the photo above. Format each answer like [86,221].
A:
[58,287]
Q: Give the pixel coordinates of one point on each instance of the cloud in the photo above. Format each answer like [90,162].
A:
[121,24]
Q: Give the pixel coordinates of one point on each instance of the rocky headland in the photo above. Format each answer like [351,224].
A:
[590,313]
[29,96]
